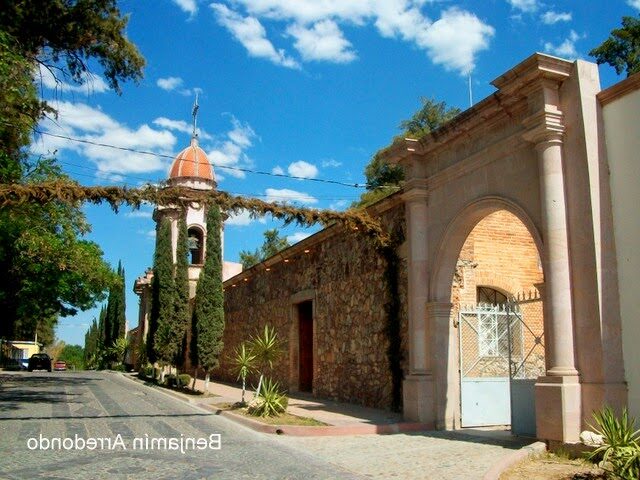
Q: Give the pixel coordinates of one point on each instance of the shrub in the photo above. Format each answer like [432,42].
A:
[271,401]
[170,380]
[620,452]
[184,379]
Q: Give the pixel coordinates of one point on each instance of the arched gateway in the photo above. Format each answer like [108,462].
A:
[531,148]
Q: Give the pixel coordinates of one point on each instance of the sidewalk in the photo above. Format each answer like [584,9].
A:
[352,439]
[340,418]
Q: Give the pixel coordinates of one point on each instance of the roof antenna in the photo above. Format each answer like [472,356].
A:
[194,114]
[470,92]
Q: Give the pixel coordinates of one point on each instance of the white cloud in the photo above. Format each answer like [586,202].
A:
[303,169]
[455,38]
[297,236]
[551,17]
[150,234]
[242,219]
[277,170]
[339,205]
[316,25]
[286,195]
[566,49]
[90,83]
[139,214]
[180,126]
[231,151]
[331,163]
[187,6]
[524,5]
[324,41]
[169,83]
[252,35]
[78,120]
[634,3]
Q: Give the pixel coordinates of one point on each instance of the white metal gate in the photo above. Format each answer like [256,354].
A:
[501,356]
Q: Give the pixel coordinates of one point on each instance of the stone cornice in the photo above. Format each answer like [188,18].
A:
[620,89]
[513,88]
[535,68]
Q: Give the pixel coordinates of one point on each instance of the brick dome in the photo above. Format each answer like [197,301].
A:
[192,162]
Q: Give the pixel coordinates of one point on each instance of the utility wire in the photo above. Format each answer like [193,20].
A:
[171,157]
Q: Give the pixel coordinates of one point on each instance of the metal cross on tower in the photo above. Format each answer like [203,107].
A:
[194,113]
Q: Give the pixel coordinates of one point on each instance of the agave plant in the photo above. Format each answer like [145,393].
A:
[266,349]
[271,401]
[620,452]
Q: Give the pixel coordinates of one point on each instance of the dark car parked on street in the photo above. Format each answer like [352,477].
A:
[39,361]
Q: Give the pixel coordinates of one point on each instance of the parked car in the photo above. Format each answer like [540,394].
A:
[39,361]
[59,366]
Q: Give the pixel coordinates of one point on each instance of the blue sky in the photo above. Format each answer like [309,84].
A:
[310,88]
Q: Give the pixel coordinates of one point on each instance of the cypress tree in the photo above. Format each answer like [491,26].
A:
[209,304]
[109,318]
[182,313]
[163,296]
[121,307]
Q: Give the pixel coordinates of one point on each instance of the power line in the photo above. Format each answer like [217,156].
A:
[171,157]
[127,184]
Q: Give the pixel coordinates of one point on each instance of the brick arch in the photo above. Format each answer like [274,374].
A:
[456,234]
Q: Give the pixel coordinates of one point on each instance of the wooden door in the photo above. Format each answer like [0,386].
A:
[305,332]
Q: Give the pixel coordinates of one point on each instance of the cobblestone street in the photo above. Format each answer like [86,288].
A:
[105,405]
[109,406]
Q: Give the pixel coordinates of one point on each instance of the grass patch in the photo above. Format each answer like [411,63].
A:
[282,419]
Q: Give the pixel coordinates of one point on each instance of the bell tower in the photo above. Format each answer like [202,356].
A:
[190,169]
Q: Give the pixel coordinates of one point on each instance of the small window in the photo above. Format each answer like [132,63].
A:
[196,245]
[490,296]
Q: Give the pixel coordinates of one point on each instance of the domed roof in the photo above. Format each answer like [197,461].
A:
[192,162]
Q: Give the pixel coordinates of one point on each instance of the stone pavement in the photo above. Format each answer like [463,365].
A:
[80,407]
[463,454]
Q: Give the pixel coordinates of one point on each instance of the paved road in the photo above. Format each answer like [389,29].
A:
[39,406]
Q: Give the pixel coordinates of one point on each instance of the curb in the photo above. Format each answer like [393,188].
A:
[509,460]
[320,431]
[294,430]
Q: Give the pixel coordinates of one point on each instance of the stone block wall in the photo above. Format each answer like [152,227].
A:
[344,276]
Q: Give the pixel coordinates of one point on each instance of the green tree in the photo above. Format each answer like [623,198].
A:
[115,320]
[209,303]
[622,49]
[273,243]
[182,311]
[72,32]
[163,297]
[91,345]
[48,268]
[74,356]
[384,179]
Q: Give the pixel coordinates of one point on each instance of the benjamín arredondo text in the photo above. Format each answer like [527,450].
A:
[180,444]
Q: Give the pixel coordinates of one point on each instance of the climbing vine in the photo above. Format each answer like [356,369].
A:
[71,192]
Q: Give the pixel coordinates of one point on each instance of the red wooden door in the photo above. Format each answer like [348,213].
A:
[305,332]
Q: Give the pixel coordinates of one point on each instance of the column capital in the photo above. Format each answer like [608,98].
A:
[544,127]
[416,190]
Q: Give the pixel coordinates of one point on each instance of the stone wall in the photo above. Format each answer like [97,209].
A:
[344,276]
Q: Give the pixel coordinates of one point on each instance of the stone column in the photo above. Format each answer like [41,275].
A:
[558,401]
[446,377]
[418,388]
